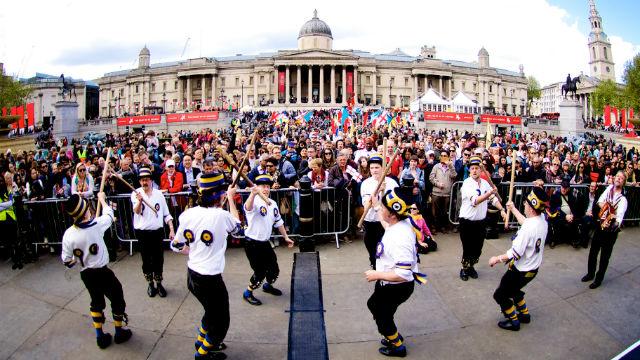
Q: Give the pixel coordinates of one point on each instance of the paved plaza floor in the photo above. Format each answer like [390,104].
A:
[44,311]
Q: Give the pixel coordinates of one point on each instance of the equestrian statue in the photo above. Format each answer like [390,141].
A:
[67,88]
[570,86]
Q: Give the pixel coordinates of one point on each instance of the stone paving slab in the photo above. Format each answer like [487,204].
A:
[44,310]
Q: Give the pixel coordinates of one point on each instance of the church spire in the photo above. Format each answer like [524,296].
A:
[601,63]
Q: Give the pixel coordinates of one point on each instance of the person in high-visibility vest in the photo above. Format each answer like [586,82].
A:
[8,220]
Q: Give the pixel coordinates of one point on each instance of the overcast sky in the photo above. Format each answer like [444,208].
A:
[85,39]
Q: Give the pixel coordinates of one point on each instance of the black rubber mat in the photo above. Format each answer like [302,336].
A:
[307,335]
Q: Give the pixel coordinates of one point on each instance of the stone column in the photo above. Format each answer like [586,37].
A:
[298,84]
[415,87]
[180,94]
[188,93]
[440,84]
[256,77]
[499,101]
[374,75]
[321,84]
[450,88]
[344,84]
[310,85]
[213,90]
[333,84]
[355,85]
[286,85]
[126,97]
[425,87]
[203,86]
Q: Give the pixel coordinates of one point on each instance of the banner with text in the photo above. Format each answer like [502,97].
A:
[501,120]
[447,116]
[195,116]
[281,77]
[349,84]
[139,120]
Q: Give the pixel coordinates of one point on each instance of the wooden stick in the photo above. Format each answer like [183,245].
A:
[243,162]
[119,177]
[384,154]
[229,160]
[375,193]
[513,177]
[104,179]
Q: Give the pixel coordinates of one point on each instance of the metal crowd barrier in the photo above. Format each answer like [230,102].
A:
[632,194]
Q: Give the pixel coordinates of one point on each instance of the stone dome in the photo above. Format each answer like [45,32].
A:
[483,52]
[145,51]
[315,27]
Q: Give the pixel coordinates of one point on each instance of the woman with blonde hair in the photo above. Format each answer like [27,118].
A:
[82,181]
[319,175]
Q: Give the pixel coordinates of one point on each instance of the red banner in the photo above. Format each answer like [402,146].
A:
[281,83]
[624,119]
[349,84]
[20,112]
[448,116]
[13,112]
[139,120]
[607,115]
[501,120]
[4,111]
[30,114]
[195,116]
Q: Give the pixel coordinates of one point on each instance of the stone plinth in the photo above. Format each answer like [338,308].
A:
[570,121]
[66,122]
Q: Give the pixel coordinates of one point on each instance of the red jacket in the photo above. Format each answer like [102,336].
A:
[178,181]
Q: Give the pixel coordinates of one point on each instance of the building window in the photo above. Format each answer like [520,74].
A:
[112,93]
[605,53]
[137,89]
[198,85]
[593,51]
[608,69]
[153,87]
[490,88]
[391,81]
[261,79]
[250,80]
[504,92]
[222,81]
[463,84]
[378,80]
[368,79]
[164,86]
[175,85]
[237,81]
[475,86]
[121,92]
[406,81]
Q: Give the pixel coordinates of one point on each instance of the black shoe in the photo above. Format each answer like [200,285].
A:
[463,275]
[211,356]
[400,351]
[151,290]
[222,346]
[248,297]
[16,266]
[472,273]
[509,325]
[585,245]
[161,290]
[122,336]
[387,343]
[552,244]
[104,340]
[587,278]
[595,284]
[524,318]
[268,288]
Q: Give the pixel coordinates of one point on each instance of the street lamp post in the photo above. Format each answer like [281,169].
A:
[164,102]
[241,94]
[222,98]
[41,109]
[389,93]
[117,102]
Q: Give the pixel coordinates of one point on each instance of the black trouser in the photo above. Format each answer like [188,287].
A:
[384,302]
[373,232]
[587,225]
[440,208]
[212,294]
[509,292]
[101,282]
[263,262]
[152,252]
[565,231]
[472,233]
[15,247]
[602,243]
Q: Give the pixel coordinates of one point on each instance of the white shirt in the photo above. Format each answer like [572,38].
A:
[618,200]
[367,188]
[207,229]
[363,152]
[261,219]
[87,243]
[148,220]
[528,244]
[397,251]
[470,191]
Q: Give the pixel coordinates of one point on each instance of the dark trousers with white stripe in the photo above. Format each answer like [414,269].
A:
[384,302]
[472,234]
[211,292]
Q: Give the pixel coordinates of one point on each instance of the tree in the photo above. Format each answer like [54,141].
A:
[12,93]
[533,91]
[606,93]
[631,79]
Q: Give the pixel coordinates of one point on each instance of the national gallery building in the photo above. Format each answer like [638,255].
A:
[313,76]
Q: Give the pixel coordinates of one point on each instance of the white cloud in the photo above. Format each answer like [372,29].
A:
[77,37]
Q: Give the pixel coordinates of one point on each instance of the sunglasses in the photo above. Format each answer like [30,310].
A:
[413,208]
[269,166]
[82,170]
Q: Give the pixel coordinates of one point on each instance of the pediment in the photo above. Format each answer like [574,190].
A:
[315,54]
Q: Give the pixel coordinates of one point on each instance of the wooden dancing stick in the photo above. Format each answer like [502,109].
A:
[119,177]
[513,177]
[384,154]
[375,193]
[229,160]
[104,179]
[243,162]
